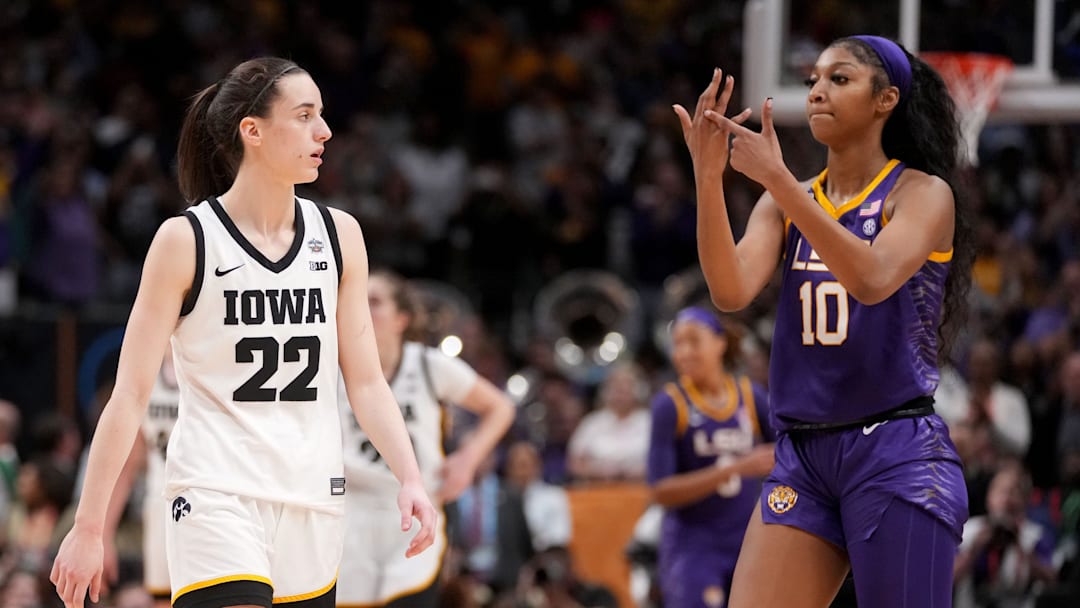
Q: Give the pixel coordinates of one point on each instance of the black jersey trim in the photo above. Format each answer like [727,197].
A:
[200,265]
[278,266]
[331,232]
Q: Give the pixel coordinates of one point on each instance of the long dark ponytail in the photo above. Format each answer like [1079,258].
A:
[209,151]
[924,133]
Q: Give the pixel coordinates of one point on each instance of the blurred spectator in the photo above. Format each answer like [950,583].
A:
[491,148]
[57,438]
[539,133]
[549,422]
[1003,553]
[435,170]
[549,577]
[9,462]
[44,491]
[577,217]
[21,589]
[547,508]
[492,533]
[987,400]
[664,226]
[132,596]
[1069,434]
[612,442]
[1067,557]
[496,241]
[64,263]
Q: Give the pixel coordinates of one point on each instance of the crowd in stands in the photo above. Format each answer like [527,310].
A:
[494,146]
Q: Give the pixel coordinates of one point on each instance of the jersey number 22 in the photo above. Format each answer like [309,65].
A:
[298,389]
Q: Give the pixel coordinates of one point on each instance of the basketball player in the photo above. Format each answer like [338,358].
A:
[256,290]
[711,444]
[424,380]
[873,251]
[148,454]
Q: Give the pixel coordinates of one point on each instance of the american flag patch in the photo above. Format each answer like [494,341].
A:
[870,208]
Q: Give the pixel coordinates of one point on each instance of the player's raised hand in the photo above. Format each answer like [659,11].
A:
[708,140]
[755,155]
[78,567]
[413,502]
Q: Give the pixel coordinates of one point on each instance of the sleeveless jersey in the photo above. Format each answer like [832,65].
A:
[704,436]
[836,360]
[424,382]
[156,429]
[256,357]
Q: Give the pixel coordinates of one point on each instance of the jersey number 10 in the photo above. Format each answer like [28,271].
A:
[816,300]
[298,389]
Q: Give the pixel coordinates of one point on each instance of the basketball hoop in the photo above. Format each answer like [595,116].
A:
[975,80]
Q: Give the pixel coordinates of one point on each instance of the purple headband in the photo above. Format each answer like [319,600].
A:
[700,315]
[896,62]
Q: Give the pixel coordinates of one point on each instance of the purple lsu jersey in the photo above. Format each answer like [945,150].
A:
[689,434]
[835,360]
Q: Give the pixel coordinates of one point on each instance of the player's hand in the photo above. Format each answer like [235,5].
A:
[457,474]
[755,155]
[78,568]
[413,502]
[758,462]
[707,140]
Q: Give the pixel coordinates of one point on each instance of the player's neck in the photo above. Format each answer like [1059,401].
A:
[851,169]
[710,384]
[260,202]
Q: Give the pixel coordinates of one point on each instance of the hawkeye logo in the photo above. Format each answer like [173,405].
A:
[180,508]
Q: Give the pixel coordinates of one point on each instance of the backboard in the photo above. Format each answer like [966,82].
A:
[783,38]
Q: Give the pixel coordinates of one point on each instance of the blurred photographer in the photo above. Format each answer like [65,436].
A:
[548,581]
[1004,555]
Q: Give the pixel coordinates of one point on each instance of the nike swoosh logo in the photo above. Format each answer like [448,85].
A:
[866,430]
[220,273]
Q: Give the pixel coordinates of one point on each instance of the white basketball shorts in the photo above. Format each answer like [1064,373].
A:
[226,550]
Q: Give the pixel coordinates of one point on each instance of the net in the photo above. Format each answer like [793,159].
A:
[975,80]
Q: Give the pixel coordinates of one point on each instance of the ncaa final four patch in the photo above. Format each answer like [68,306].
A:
[337,486]
[782,499]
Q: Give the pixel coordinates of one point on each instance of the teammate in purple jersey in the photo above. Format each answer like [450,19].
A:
[875,256]
[710,446]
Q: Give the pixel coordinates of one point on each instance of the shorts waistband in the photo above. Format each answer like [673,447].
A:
[915,408]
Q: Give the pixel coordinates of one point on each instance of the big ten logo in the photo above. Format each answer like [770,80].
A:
[323,265]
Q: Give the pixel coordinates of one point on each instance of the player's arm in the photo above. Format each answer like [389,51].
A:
[369,395]
[670,487]
[167,276]
[736,273]
[496,413]
[921,223]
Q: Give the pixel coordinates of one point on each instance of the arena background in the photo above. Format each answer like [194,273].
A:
[521,161]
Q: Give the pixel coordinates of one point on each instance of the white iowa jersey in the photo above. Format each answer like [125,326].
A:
[424,378]
[156,429]
[256,357]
